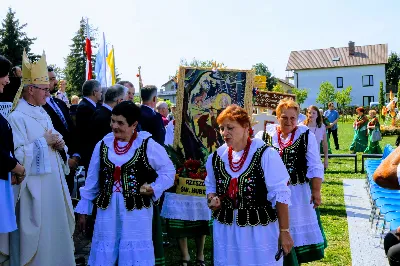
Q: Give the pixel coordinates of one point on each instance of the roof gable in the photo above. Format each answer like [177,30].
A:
[323,58]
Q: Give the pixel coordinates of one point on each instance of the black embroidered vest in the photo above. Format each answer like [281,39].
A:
[134,174]
[294,158]
[253,206]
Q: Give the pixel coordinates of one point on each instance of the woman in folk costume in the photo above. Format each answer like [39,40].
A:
[299,151]
[9,165]
[187,216]
[360,140]
[315,124]
[127,173]
[247,190]
[373,124]
[45,216]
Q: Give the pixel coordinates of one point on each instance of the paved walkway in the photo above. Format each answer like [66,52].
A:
[364,243]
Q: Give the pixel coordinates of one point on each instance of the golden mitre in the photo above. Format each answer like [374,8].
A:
[34,73]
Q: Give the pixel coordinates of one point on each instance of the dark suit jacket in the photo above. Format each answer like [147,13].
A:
[151,122]
[101,124]
[7,161]
[67,133]
[84,114]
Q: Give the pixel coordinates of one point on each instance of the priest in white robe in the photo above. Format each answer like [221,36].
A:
[45,214]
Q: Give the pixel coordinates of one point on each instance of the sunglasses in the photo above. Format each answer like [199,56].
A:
[279,254]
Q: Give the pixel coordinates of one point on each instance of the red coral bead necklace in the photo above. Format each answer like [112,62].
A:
[282,145]
[124,149]
[236,166]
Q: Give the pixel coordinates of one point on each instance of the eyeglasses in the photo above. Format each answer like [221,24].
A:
[43,89]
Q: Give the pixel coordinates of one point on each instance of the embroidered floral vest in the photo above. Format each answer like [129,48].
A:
[134,174]
[253,206]
[294,158]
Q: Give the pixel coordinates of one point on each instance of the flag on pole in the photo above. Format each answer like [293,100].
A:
[105,65]
[111,66]
[88,50]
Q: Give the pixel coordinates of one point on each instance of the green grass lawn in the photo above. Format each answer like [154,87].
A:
[333,212]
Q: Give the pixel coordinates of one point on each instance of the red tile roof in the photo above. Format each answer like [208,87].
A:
[323,58]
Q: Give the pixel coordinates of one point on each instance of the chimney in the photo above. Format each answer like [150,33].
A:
[352,49]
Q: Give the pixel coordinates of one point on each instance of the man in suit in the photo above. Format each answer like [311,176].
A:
[91,91]
[102,117]
[150,120]
[62,122]
[131,90]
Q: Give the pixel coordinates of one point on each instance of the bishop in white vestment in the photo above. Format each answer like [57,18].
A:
[45,214]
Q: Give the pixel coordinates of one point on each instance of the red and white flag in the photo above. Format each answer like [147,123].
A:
[88,50]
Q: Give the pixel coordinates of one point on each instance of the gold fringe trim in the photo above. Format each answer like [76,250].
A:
[248,93]
[179,106]
[17,97]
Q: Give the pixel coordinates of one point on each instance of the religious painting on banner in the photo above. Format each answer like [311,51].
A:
[202,95]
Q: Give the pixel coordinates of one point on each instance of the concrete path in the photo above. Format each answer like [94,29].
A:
[364,243]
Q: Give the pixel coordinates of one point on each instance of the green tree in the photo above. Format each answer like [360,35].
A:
[343,97]
[326,94]
[199,63]
[278,88]
[398,94]
[301,95]
[381,98]
[169,103]
[75,63]
[393,69]
[262,70]
[13,39]
[136,99]
[58,71]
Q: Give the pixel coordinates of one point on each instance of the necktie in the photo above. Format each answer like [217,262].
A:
[58,111]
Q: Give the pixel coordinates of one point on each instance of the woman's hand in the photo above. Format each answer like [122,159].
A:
[326,163]
[146,190]
[82,222]
[286,242]
[316,198]
[19,170]
[13,179]
[214,203]
[18,174]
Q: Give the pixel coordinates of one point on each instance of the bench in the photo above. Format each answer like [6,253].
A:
[344,156]
[365,156]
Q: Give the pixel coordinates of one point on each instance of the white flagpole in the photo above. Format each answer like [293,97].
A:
[105,59]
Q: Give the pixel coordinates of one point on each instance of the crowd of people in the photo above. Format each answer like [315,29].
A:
[264,190]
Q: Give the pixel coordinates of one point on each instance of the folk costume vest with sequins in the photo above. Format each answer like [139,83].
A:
[294,158]
[252,204]
[134,173]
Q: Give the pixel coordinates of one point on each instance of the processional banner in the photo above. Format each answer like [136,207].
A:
[202,95]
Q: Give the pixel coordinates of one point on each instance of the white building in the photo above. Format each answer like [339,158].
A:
[169,91]
[362,67]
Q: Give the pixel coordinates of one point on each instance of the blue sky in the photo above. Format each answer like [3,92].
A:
[156,34]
